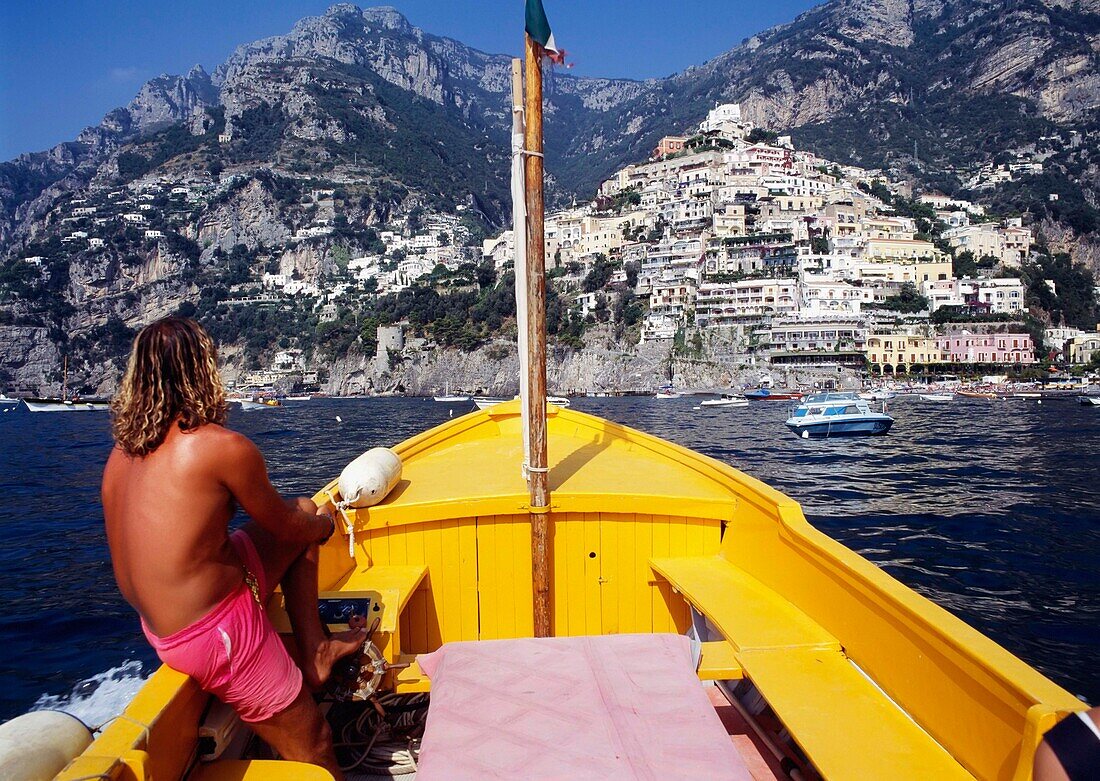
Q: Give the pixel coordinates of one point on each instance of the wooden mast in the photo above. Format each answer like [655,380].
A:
[538,474]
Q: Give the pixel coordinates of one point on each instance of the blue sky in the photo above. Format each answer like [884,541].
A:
[65,63]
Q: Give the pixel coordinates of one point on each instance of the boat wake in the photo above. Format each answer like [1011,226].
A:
[100,698]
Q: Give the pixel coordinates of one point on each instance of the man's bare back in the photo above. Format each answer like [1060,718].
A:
[167,517]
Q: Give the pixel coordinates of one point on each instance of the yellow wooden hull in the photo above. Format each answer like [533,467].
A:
[871,679]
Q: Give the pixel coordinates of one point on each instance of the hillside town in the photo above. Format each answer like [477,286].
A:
[727,232]
[805,262]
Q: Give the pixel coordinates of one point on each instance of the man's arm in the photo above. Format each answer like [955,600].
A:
[242,470]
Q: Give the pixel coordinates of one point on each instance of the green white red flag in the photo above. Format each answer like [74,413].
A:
[539,29]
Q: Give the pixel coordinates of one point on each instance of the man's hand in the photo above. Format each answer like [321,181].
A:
[328,513]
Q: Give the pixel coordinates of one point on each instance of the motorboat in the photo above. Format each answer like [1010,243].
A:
[937,396]
[1090,401]
[484,402]
[251,405]
[667,395]
[7,401]
[878,394]
[726,400]
[767,394]
[304,397]
[824,415]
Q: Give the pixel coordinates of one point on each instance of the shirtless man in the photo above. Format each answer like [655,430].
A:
[169,491]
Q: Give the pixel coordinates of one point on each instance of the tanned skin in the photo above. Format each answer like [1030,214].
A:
[167,516]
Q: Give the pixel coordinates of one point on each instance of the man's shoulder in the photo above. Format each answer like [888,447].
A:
[215,438]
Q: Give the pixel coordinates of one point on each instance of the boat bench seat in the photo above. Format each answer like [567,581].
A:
[388,587]
[258,770]
[846,725]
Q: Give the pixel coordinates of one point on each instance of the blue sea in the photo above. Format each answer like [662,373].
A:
[990,508]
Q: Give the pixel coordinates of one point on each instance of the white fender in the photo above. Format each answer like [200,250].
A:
[368,479]
[38,745]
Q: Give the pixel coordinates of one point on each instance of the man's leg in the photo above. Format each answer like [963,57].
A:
[301,734]
[295,568]
[319,651]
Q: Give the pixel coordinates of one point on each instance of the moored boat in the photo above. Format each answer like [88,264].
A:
[767,394]
[976,394]
[937,396]
[726,400]
[1090,401]
[484,402]
[824,415]
[66,405]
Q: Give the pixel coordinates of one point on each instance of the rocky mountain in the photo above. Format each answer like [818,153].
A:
[358,119]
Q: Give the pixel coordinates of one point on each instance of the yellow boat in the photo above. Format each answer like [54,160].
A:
[870,679]
[835,669]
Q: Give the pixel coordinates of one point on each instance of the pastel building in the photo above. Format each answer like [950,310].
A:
[893,353]
[965,347]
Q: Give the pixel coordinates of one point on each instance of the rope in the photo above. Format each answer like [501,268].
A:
[145,728]
[349,525]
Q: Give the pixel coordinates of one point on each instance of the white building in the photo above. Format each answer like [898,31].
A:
[726,303]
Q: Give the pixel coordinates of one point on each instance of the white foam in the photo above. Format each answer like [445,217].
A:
[100,698]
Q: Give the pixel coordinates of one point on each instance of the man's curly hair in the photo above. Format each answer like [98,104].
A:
[172,375]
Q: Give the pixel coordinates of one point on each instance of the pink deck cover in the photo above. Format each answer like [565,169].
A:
[607,707]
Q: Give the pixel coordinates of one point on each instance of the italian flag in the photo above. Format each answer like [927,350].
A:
[539,29]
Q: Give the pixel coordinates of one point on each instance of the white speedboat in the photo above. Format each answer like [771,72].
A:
[937,396]
[450,399]
[824,415]
[1090,401]
[727,400]
[305,397]
[7,401]
[251,405]
[878,394]
[67,405]
[484,402]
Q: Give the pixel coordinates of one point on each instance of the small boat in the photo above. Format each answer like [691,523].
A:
[767,394]
[305,397]
[7,401]
[666,395]
[255,404]
[878,394]
[824,415]
[450,398]
[937,396]
[976,394]
[1090,401]
[67,405]
[727,400]
[484,402]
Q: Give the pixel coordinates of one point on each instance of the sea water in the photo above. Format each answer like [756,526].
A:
[990,508]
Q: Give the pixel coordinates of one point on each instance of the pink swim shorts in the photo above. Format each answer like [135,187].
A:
[233,651]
